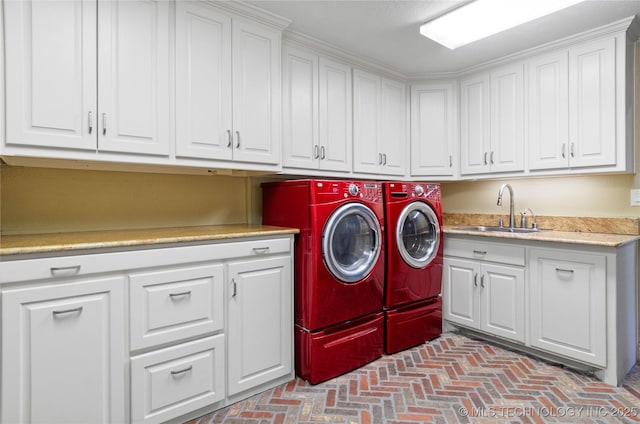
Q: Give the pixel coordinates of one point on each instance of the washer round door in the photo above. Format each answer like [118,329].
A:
[418,234]
[351,242]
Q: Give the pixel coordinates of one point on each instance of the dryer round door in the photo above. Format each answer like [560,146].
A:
[418,234]
[351,242]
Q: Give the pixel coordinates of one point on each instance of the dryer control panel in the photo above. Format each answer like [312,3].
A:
[337,190]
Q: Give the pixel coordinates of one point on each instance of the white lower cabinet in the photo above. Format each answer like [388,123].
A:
[194,328]
[573,303]
[63,352]
[568,298]
[259,322]
[174,381]
[485,296]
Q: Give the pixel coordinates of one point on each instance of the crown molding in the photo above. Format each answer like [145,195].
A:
[252,12]
[321,47]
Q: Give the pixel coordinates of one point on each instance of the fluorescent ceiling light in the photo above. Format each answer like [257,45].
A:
[482,18]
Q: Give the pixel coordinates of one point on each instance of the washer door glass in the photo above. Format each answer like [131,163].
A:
[351,242]
[418,234]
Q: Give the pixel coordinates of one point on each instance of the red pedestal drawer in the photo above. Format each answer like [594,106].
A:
[413,324]
[325,354]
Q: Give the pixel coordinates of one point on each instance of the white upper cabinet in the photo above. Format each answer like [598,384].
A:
[133,77]
[317,112]
[335,115]
[492,121]
[393,126]
[433,129]
[203,82]
[592,106]
[572,107]
[300,109]
[51,85]
[475,128]
[548,111]
[507,119]
[379,125]
[227,85]
[256,92]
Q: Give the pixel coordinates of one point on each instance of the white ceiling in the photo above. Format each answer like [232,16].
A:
[386,31]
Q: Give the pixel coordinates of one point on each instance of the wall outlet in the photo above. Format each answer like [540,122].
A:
[635,197]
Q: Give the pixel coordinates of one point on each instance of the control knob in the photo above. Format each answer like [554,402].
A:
[419,190]
[353,189]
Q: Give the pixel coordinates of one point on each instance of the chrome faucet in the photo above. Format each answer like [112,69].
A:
[512,216]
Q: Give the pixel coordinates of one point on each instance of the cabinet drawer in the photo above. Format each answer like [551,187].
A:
[174,381]
[490,252]
[257,247]
[175,304]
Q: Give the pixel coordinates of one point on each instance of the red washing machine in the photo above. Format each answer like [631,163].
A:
[339,271]
[413,306]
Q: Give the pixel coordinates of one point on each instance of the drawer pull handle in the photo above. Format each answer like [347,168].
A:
[65,270]
[480,252]
[228,138]
[235,288]
[316,151]
[68,311]
[182,371]
[181,294]
[570,271]
[237,139]
[475,280]
[482,281]
[261,250]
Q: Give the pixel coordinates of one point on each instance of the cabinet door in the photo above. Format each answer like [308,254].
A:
[203,82]
[433,126]
[474,125]
[300,142]
[367,156]
[335,116]
[393,127]
[63,353]
[568,304]
[548,111]
[260,326]
[50,54]
[134,85]
[503,307]
[256,93]
[507,119]
[592,108]
[460,292]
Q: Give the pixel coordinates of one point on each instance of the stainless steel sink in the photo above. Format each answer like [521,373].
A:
[488,229]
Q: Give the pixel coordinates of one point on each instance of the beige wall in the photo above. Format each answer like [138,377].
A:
[36,200]
[588,196]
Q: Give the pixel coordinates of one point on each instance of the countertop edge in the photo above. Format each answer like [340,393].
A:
[28,244]
[592,239]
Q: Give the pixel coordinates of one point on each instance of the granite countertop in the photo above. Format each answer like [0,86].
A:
[594,239]
[61,242]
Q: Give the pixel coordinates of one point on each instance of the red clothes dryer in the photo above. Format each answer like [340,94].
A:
[339,271]
[413,307]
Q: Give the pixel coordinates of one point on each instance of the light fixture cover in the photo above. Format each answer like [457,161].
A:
[482,18]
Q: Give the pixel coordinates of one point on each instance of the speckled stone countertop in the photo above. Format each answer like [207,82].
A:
[594,239]
[64,242]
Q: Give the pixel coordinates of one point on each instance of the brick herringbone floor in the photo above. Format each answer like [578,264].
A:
[452,379]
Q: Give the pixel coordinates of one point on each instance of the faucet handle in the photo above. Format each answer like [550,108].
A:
[534,224]
[523,219]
